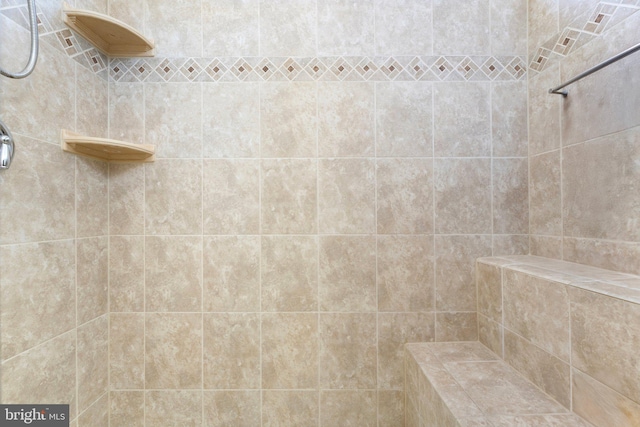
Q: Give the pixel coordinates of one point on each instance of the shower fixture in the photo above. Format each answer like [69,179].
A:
[6,147]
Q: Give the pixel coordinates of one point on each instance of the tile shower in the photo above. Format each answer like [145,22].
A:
[327,173]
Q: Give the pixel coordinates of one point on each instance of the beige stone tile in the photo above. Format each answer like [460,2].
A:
[346,119]
[37,299]
[173,351]
[511,244]
[126,273]
[231,28]
[93,361]
[600,405]
[347,273]
[348,408]
[538,310]
[462,196]
[461,118]
[288,29]
[173,117]
[346,196]
[395,330]
[47,210]
[173,408]
[348,350]
[175,28]
[170,208]
[546,246]
[231,199]
[46,373]
[448,352]
[391,412]
[457,326]
[397,104]
[604,203]
[455,270]
[468,20]
[97,415]
[231,111]
[618,256]
[289,273]
[605,339]
[173,273]
[126,199]
[231,273]
[510,196]
[99,6]
[571,10]
[128,11]
[543,22]
[126,109]
[92,103]
[289,350]
[92,197]
[93,278]
[404,196]
[490,333]
[289,196]
[126,351]
[403,27]
[288,119]
[545,194]
[556,420]
[231,408]
[289,408]
[126,408]
[541,368]
[508,27]
[405,273]
[509,116]
[346,27]
[231,351]
[544,110]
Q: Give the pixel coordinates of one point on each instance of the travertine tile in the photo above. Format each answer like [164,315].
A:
[175,28]
[461,118]
[289,272]
[173,351]
[491,334]
[231,196]
[173,273]
[289,350]
[397,104]
[289,196]
[97,415]
[346,196]
[130,12]
[231,116]
[348,408]
[126,273]
[231,351]
[289,408]
[346,119]
[510,244]
[37,299]
[545,194]
[346,27]
[93,278]
[617,256]
[405,276]
[288,29]
[403,27]
[231,28]
[126,199]
[468,20]
[126,113]
[556,420]
[448,352]
[92,107]
[227,408]
[509,118]
[547,246]
[288,119]
[456,326]
[391,412]
[543,22]
[126,351]
[404,196]
[92,197]
[231,273]
[173,407]
[93,361]
[538,310]
[508,27]
[510,196]
[126,408]
[544,110]
[347,273]
[348,350]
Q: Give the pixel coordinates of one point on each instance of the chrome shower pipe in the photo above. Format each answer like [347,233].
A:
[33,55]
[7,147]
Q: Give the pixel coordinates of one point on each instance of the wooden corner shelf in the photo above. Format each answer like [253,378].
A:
[108,150]
[108,35]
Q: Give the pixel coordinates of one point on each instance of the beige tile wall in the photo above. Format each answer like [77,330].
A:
[584,150]
[54,246]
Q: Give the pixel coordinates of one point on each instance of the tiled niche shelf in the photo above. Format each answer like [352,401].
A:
[108,150]
[110,36]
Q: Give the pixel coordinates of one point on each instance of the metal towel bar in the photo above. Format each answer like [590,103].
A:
[557,91]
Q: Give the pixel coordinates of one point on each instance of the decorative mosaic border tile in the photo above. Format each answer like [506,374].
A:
[582,30]
[343,68]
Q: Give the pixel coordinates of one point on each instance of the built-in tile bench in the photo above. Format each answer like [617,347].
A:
[572,332]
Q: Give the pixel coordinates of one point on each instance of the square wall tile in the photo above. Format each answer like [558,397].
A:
[126,112]
[510,196]
[404,27]
[127,408]
[289,273]
[231,28]
[345,27]
[126,351]
[92,107]
[543,22]
[545,194]
[491,334]
[398,104]
[544,111]
[289,408]
[126,199]
[509,121]
[126,273]
[97,415]
[92,361]
[391,408]
[92,197]
[489,287]
[348,408]
[346,119]
[128,11]
[509,27]
[224,408]
[456,326]
[468,20]
[288,28]
[231,273]
[93,278]
[176,27]
[166,408]
[346,195]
